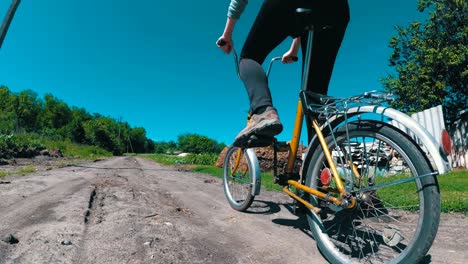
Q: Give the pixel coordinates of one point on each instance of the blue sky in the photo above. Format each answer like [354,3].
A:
[154,63]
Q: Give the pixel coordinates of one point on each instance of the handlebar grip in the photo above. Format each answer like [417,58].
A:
[295,58]
[221,42]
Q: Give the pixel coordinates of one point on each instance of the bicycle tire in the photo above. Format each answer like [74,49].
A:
[238,184]
[378,229]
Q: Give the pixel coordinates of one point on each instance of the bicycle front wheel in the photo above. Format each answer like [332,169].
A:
[397,213]
[238,181]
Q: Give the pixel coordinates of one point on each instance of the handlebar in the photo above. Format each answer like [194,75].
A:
[221,43]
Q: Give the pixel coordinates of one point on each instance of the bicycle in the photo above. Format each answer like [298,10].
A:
[369,190]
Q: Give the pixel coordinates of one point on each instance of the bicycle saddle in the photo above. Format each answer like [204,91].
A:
[311,19]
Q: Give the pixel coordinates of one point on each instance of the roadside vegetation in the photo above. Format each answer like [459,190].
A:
[453,189]
[453,186]
[73,150]
[29,145]
[190,159]
[26,170]
[51,119]
[190,149]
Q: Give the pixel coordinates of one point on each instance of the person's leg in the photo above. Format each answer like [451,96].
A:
[256,84]
[270,28]
[325,47]
[326,44]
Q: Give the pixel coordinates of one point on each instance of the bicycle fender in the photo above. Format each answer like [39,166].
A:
[413,129]
[256,176]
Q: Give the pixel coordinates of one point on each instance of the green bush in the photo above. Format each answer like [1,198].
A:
[70,149]
[17,141]
[194,143]
[192,159]
[202,159]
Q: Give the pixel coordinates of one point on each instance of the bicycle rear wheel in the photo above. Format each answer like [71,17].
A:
[238,181]
[390,223]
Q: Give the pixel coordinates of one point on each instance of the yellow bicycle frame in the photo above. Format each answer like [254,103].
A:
[293,150]
[294,145]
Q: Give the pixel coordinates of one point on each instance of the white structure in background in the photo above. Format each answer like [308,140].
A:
[459,134]
[433,120]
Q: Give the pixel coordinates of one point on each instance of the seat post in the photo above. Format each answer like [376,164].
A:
[306,14]
[312,25]
[308,59]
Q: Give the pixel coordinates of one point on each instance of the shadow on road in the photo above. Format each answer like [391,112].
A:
[300,223]
[426,260]
[263,207]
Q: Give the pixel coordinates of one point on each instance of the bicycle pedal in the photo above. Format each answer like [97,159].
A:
[257,141]
[293,176]
[298,208]
[281,180]
[282,146]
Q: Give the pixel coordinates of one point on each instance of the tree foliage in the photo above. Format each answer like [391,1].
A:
[430,59]
[163,147]
[103,132]
[54,119]
[194,143]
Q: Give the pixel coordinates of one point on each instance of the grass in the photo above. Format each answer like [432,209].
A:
[267,178]
[453,186]
[163,159]
[453,190]
[191,159]
[68,149]
[22,171]
[34,141]
[212,170]
[74,150]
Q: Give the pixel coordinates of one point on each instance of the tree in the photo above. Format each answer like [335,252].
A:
[75,129]
[138,139]
[28,108]
[197,144]
[8,118]
[430,59]
[52,118]
[164,147]
[7,122]
[150,146]
[56,113]
[103,132]
[6,100]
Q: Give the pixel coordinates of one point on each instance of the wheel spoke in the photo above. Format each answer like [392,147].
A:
[237,179]
[385,221]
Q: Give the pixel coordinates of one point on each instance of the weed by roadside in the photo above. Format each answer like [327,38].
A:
[74,150]
[21,171]
[198,159]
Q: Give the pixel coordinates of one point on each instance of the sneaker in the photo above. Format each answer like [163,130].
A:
[266,124]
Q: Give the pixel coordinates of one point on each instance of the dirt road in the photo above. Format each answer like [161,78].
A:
[131,210]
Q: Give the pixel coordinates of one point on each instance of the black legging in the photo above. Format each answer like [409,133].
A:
[276,21]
